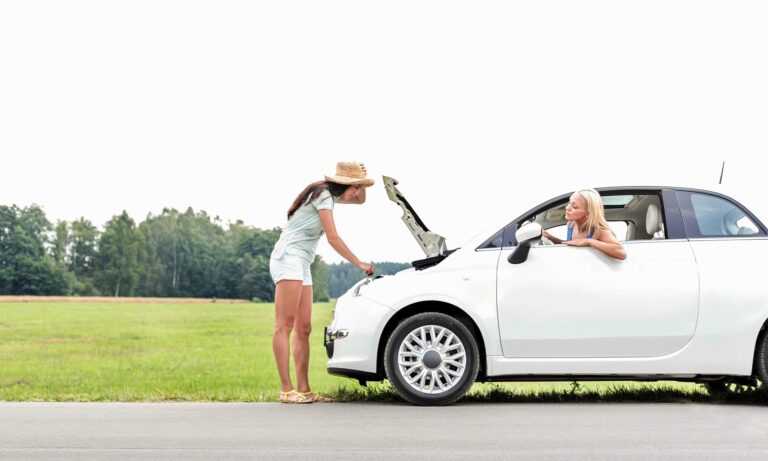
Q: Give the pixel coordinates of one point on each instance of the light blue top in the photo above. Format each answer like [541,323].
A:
[302,232]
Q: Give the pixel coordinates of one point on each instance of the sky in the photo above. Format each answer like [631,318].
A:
[480,110]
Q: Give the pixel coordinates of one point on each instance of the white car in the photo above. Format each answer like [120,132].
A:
[689,303]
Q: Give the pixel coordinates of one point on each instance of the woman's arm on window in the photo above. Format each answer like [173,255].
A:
[605,242]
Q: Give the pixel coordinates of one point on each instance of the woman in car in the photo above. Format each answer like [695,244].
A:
[310,215]
[587,225]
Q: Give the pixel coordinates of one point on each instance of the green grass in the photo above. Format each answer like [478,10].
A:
[53,351]
[146,352]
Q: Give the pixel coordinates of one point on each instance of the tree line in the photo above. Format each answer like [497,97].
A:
[173,254]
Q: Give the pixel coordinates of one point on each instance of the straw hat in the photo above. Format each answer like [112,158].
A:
[352,173]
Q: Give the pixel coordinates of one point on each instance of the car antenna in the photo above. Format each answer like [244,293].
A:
[721,173]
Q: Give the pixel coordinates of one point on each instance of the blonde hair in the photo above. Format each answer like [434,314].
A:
[595,211]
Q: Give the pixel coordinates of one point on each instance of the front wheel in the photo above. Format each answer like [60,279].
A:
[431,359]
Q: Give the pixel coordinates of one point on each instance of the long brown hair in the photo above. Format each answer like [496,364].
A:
[313,191]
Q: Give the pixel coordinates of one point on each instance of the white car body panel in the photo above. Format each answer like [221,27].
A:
[734,299]
[576,302]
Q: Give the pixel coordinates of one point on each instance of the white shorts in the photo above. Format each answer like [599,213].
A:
[290,267]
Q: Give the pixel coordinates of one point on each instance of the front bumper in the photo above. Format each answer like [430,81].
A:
[329,336]
[352,340]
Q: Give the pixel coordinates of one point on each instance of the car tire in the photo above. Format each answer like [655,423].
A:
[726,387]
[761,361]
[431,359]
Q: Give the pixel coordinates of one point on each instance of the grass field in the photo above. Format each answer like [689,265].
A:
[147,351]
[57,351]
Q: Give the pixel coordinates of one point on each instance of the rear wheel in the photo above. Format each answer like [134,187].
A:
[761,362]
[431,359]
[730,386]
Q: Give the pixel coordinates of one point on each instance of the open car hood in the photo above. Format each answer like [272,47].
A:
[432,244]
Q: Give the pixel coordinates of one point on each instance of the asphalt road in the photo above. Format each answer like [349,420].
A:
[71,431]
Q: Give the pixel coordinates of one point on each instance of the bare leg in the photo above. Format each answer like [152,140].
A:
[301,330]
[287,295]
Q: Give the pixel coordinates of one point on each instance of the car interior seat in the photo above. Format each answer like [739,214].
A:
[653,221]
[631,231]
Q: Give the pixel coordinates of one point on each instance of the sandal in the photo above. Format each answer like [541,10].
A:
[317,398]
[295,397]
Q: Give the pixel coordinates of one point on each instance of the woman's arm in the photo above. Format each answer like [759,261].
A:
[326,219]
[551,237]
[605,242]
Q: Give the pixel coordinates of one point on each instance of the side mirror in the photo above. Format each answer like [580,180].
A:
[525,236]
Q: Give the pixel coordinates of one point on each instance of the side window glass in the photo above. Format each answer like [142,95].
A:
[560,231]
[747,227]
[495,241]
[509,239]
[632,215]
[712,216]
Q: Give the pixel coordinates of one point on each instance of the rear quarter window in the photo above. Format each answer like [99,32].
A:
[707,216]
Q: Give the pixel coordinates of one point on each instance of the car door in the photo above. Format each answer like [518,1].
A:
[577,302]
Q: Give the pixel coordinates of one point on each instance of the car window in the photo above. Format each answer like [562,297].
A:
[629,213]
[707,215]
[631,216]
[495,241]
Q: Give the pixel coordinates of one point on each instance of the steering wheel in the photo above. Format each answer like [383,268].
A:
[545,241]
